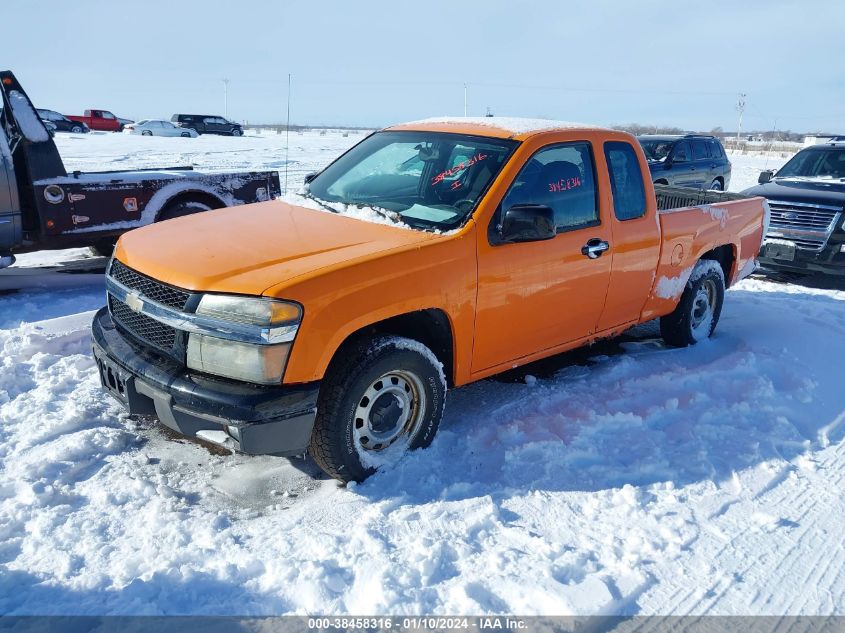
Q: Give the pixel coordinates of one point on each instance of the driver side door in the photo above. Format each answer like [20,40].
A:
[535,296]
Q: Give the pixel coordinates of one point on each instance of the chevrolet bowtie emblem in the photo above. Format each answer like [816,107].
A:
[134,302]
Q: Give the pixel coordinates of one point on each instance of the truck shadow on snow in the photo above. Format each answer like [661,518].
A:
[631,411]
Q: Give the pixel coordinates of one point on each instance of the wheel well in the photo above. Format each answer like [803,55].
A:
[661,181]
[725,256]
[192,196]
[430,327]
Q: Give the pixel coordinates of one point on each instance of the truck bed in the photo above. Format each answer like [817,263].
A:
[694,222]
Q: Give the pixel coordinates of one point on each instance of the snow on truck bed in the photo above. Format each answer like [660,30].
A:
[628,479]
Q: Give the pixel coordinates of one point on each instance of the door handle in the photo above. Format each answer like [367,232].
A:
[595,248]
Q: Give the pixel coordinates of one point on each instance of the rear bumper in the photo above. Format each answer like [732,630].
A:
[252,419]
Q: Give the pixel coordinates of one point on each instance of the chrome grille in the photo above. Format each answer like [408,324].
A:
[147,287]
[145,329]
[807,225]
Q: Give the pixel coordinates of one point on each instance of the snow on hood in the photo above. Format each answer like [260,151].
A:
[28,121]
[516,125]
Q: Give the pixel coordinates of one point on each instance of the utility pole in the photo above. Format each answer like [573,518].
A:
[226,98]
[740,106]
[465,99]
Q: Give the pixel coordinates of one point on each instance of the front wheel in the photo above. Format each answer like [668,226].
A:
[716,185]
[382,396]
[237,132]
[700,306]
[146,133]
[76,129]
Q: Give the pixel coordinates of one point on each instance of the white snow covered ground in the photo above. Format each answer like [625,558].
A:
[627,479]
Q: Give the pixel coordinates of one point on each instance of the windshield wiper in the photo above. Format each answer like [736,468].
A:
[307,194]
[393,216]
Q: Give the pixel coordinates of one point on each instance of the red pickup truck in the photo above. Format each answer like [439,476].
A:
[102,120]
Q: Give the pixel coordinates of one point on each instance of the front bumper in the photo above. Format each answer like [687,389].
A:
[829,261]
[252,419]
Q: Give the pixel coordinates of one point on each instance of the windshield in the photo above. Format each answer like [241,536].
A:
[656,149]
[822,162]
[429,180]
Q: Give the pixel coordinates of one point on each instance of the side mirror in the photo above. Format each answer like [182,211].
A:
[528,223]
[311,176]
[765,176]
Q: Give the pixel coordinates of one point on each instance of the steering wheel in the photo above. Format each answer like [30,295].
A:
[465,202]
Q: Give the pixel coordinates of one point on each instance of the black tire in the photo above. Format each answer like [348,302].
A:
[377,378]
[185,135]
[716,185]
[146,133]
[104,248]
[77,129]
[237,132]
[181,209]
[699,309]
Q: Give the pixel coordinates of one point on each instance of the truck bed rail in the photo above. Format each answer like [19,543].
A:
[672,197]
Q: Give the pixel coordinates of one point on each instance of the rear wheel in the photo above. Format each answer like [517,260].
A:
[700,306]
[181,209]
[382,396]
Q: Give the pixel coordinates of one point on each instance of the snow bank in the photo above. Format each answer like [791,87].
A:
[700,480]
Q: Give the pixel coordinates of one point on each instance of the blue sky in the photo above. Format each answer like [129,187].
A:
[376,63]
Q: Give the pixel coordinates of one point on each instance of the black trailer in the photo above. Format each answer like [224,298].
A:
[42,206]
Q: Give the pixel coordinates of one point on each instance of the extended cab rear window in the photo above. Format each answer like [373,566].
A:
[626,180]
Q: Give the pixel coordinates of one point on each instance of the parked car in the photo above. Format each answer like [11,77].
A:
[692,160]
[61,123]
[42,206]
[208,124]
[807,201]
[154,127]
[294,327]
[101,120]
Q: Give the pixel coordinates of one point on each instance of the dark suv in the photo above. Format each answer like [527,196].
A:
[692,160]
[807,201]
[208,124]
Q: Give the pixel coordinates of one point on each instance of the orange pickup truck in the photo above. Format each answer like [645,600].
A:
[431,254]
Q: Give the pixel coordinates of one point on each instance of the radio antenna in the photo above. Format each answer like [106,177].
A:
[287,138]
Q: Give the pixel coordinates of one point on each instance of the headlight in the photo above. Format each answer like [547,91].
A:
[273,322]
[250,310]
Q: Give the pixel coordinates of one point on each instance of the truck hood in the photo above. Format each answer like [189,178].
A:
[250,248]
[830,192]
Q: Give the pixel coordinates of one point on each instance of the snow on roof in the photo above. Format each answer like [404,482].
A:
[515,125]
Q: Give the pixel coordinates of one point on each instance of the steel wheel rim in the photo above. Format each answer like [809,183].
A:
[716,186]
[702,306]
[389,412]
